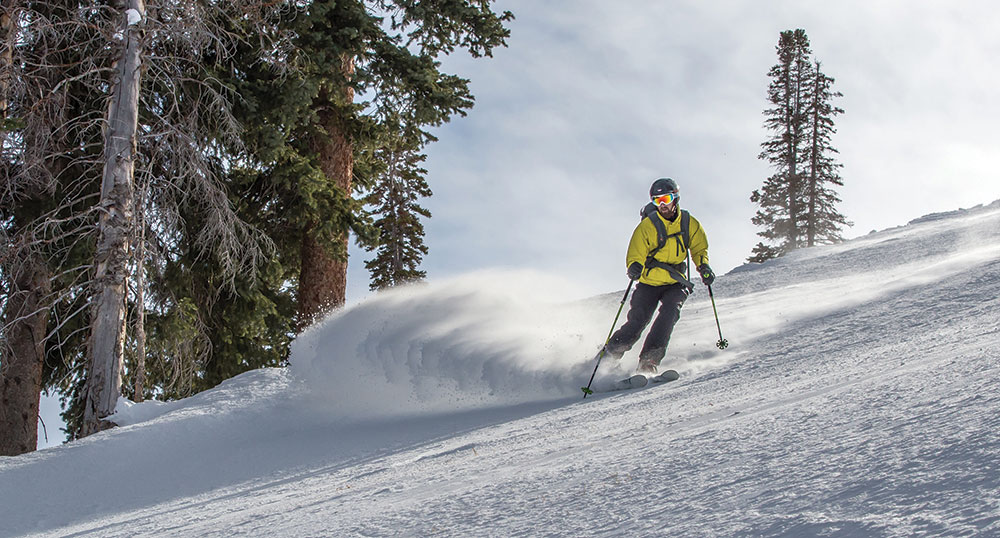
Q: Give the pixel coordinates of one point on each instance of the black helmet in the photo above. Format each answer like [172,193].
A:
[663,186]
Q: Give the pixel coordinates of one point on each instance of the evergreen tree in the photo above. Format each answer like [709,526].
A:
[217,298]
[314,146]
[49,173]
[823,223]
[394,197]
[795,204]
[184,131]
[55,70]
[779,197]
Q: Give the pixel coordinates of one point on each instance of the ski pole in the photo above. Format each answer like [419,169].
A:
[586,390]
[722,343]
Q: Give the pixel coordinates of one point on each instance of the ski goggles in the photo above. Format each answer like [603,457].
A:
[667,198]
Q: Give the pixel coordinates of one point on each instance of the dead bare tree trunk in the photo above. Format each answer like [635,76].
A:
[107,335]
[25,319]
[323,278]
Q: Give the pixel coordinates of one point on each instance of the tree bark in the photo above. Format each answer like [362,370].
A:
[107,337]
[25,318]
[323,277]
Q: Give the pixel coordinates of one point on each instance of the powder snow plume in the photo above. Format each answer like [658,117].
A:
[480,340]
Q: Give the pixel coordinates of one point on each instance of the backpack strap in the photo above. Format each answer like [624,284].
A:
[685,230]
[677,273]
[686,238]
[661,231]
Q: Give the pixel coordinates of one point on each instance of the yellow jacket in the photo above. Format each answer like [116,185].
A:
[644,240]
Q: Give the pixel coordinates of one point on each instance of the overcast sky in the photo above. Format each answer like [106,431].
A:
[593,100]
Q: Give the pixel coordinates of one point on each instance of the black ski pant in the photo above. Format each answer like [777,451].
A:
[641,308]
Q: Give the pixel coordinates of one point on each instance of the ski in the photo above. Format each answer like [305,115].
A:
[633,382]
[666,376]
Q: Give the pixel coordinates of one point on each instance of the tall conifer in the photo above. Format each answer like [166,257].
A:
[394,197]
[823,223]
[55,66]
[49,175]
[795,203]
[316,126]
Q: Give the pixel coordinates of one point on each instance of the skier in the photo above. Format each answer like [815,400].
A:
[656,258]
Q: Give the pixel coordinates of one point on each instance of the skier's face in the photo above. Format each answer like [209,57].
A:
[666,204]
[668,210]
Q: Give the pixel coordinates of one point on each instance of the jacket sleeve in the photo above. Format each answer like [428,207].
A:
[699,243]
[640,244]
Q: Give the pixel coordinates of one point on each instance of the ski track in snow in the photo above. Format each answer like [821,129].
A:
[858,398]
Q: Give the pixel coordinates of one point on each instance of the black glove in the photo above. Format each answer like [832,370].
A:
[635,270]
[707,276]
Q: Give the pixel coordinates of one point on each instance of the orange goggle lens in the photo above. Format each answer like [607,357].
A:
[665,199]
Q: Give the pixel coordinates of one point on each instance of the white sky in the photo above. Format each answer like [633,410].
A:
[593,100]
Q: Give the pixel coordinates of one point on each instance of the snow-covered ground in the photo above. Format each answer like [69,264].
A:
[859,396]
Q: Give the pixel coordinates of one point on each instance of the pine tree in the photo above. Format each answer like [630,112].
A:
[823,223]
[312,142]
[796,206]
[394,197]
[58,90]
[779,197]
[179,122]
[49,174]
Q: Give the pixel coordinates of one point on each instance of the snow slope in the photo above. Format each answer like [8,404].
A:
[858,397]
